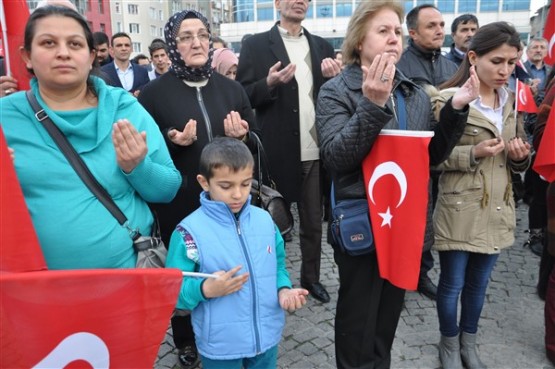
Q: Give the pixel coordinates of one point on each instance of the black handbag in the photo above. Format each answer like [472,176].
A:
[151,252]
[350,227]
[267,197]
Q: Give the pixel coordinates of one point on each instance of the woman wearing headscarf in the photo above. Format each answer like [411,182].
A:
[192,104]
[225,62]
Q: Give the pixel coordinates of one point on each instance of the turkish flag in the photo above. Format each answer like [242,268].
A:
[113,318]
[549,35]
[396,175]
[544,164]
[13,17]
[524,98]
[19,246]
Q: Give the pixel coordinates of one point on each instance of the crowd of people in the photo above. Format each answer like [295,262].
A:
[171,137]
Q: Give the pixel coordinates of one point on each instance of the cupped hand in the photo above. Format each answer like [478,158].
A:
[279,77]
[129,144]
[468,92]
[330,67]
[489,147]
[291,299]
[225,284]
[186,137]
[234,126]
[378,79]
[517,149]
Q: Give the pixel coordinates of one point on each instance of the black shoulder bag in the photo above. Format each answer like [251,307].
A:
[151,252]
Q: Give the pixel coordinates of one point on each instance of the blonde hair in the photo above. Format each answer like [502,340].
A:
[356,30]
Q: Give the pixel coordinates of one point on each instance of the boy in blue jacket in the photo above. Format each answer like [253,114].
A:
[238,315]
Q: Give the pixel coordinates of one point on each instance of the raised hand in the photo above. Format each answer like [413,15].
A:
[468,92]
[330,67]
[279,77]
[186,137]
[234,126]
[129,144]
[225,284]
[490,147]
[377,80]
[291,299]
[517,149]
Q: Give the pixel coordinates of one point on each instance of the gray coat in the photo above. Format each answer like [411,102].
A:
[348,123]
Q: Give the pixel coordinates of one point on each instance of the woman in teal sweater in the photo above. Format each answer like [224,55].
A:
[113,134]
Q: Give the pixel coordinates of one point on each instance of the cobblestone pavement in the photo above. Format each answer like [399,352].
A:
[511,326]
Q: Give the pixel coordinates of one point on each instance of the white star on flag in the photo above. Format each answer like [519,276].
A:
[386,217]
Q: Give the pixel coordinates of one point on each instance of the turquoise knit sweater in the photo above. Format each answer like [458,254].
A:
[75,230]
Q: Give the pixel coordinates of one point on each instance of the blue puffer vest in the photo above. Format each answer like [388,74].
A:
[248,322]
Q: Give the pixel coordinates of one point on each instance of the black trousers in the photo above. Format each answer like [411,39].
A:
[537,212]
[368,310]
[182,329]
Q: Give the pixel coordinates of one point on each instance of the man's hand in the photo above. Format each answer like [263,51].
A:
[279,77]
[225,284]
[330,67]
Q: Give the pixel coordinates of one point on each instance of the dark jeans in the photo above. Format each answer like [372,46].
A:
[182,329]
[467,272]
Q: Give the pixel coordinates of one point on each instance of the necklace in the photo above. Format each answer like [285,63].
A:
[495,99]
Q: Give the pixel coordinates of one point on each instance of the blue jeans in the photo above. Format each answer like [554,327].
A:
[467,272]
[265,360]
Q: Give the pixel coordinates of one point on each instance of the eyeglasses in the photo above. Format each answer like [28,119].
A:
[188,38]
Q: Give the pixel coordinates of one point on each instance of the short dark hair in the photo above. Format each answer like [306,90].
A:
[412,16]
[464,19]
[219,39]
[140,57]
[100,38]
[118,35]
[156,45]
[224,152]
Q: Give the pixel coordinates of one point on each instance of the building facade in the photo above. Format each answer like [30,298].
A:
[329,18]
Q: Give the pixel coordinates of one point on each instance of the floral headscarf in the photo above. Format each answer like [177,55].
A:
[178,67]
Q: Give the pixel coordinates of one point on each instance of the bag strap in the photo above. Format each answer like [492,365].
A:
[262,162]
[79,165]
[402,110]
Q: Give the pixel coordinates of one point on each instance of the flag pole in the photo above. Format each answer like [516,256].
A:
[516,99]
[5,38]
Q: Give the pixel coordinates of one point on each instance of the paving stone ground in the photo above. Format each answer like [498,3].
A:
[511,326]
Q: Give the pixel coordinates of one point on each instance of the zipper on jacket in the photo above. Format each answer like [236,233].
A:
[394,109]
[253,287]
[204,114]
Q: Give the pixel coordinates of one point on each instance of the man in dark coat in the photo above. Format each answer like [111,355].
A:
[282,71]
[423,63]
[462,30]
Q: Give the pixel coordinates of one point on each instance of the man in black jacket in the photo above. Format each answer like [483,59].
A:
[462,30]
[282,71]
[423,63]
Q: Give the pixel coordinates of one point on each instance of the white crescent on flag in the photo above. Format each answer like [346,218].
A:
[522,95]
[78,346]
[388,167]
[550,51]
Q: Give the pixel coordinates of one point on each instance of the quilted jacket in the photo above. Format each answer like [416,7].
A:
[348,123]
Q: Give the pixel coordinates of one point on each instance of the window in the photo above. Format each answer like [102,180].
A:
[152,13]
[134,28]
[153,30]
[446,6]
[469,6]
[102,27]
[516,5]
[132,8]
[136,47]
[100,7]
[343,8]
[489,6]
[324,9]
[89,6]
[119,27]
[265,12]
[160,15]
[117,8]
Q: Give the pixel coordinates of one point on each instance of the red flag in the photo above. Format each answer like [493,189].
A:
[525,98]
[113,318]
[19,246]
[396,174]
[13,17]
[544,164]
[549,35]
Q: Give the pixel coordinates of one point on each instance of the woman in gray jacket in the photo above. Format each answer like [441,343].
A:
[352,109]
[474,217]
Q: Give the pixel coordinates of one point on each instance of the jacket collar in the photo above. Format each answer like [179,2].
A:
[426,54]
[219,211]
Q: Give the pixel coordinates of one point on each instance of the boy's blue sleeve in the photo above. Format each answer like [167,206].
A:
[283,280]
[191,288]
